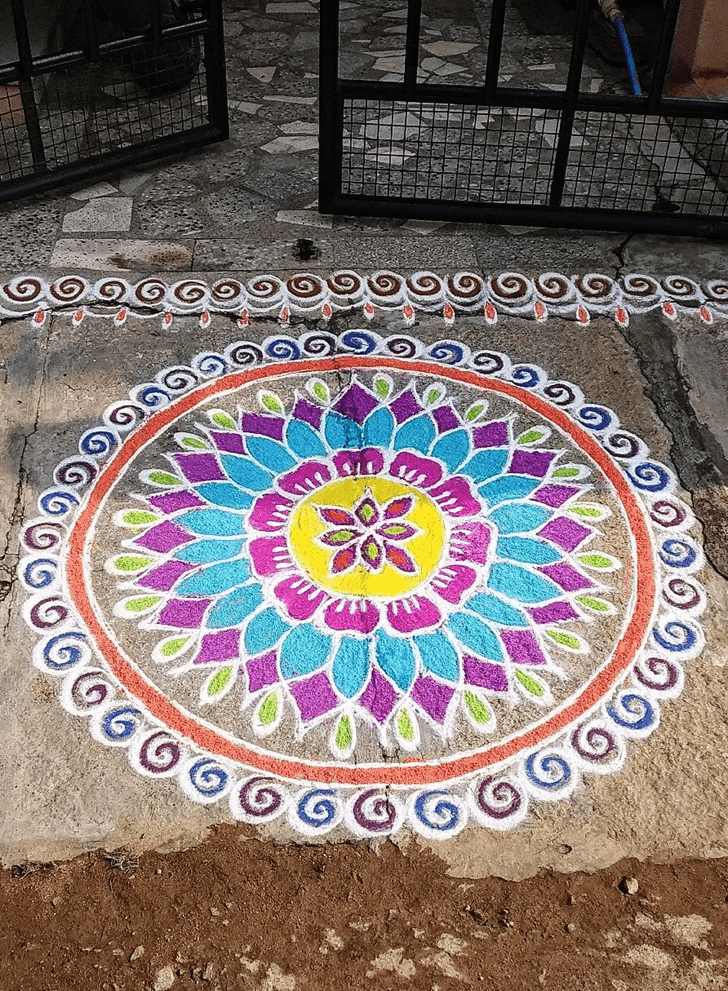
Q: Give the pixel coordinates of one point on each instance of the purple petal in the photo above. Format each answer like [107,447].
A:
[416,470]
[339,538]
[163,578]
[308,412]
[343,561]
[522,647]
[565,533]
[433,697]
[200,467]
[370,553]
[313,696]
[352,614]
[269,556]
[230,443]
[405,406]
[493,434]
[485,675]
[412,614]
[164,537]
[398,507]
[172,502]
[368,461]
[399,558]
[222,646]
[397,531]
[306,478]
[455,497]
[453,581]
[367,511]
[299,597]
[356,403]
[185,614]
[267,426]
[337,516]
[379,697]
[270,512]
[262,671]
[557,612]
[534,463]
[566,577]
[445,418]
[555,495]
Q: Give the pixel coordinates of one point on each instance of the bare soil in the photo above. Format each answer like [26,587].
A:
[239,913]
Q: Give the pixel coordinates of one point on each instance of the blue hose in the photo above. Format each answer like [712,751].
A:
[628,56]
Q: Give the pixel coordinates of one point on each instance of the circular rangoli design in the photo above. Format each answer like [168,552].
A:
[394,583]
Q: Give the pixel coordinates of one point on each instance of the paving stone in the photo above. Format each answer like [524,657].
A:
[108,213]
[122,254]
[91,192]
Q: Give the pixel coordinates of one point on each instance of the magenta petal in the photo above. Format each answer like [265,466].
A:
[399,558]
[412,614]
[269,556]
[200,467]
[415,470]
[522,647]
[164,537]
[368,461]
[165,576]
[313,696]
[299,597]
[221,646]
[262,671]
[565,533]
[379,697]
[455,497]
[470,541]
[358,615]
[397,531]
[339,538]
[485,675]
[343,561]
[367,511]
[556,612]
[336,516]
[173,502]
[270,512]
[453,581]
[398,507]
[306,478]
[567,577]
[184,614]
[433,697]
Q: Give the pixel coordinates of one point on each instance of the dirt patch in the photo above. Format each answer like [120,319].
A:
[237,913]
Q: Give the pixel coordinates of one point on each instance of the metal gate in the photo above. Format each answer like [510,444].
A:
[413,144]
[88,86]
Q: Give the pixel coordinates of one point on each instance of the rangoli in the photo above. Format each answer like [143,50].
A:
[364,582]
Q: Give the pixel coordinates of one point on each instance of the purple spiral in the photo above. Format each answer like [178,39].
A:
[89,690]
[663,674]
[383,813]
[498,799]
[259,797]
[42,536]
[594,743]
[159,753]
[46,614]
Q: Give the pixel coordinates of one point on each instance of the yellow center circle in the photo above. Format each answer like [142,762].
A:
[424,548]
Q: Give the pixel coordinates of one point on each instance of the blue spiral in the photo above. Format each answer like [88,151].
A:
[595,417]
[448,352]
[116,727]
[447,812]
[682,637]
[210,365]
[678,553]
[65,650]
[526,377]
[57,502]
[359,342]
[208,777]
[650,476]
[97,442]
[323,807]
[40,572]
[283,349]
[153,396]
[641,714]
[548,765]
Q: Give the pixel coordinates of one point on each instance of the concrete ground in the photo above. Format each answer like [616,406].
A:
[241,209]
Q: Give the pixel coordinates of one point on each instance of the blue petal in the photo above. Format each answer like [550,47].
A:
[522,585]
[495,609]
[396,658]
[417,433]
[486,464]
[507,488]
[518,517]
[527,550]
[209,551]
[341,432]
[214,579]
[477,635]
[303,440]
[225,494]
[304,650]
[453,448]
[211,523]
[351,666]
[264,630]
[438,655]
[378,428]
[234,608]
[270,453]
[246,473]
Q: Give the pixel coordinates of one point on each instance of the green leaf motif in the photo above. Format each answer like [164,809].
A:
[139,517]
[600,561]
[433,395]
[568,471]
[141,603]
[477,709]
[382,387]
[596,605]
[319,390]
[223,419]
[343,736]
[474,412]
[220,680]
[591,512]
[194,442]
[165,478]
[268,709]
[567,640]
[530,437]
[169,648]
[532,686]
[270,401]
[130,563]
[404,726]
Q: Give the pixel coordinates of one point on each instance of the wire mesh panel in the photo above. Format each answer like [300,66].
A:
[462,131]
[72,104]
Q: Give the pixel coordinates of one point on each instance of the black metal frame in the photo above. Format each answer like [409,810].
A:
[207,28]
[334,92]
